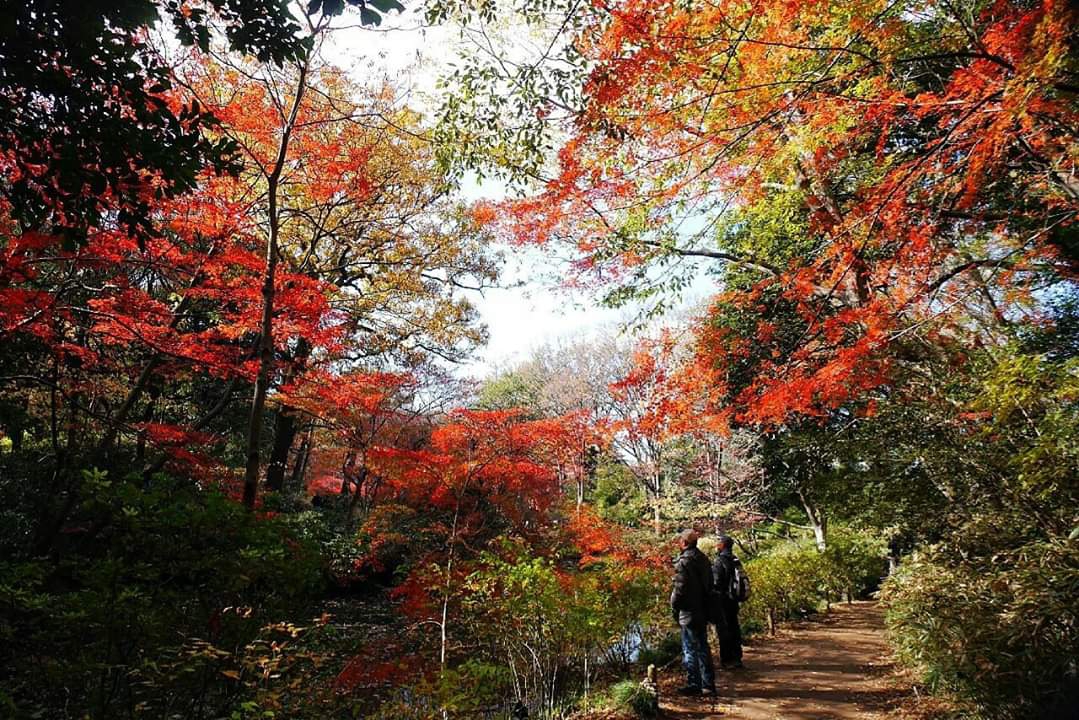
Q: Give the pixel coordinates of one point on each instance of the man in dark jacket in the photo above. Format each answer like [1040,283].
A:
[689,603]
[727,628]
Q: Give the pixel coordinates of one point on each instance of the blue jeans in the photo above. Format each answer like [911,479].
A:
[697,656]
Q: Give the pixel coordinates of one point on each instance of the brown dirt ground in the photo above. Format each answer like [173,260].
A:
[832,668]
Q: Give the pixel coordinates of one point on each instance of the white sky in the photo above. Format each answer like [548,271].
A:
[533,309]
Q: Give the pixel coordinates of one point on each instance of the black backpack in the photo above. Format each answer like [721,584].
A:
[739,589]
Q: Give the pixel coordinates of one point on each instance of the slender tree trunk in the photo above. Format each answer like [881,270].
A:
[17,425]
[51,521]
[16,431]
[657,495]
[286,425]
[266,339]
[443,635]
[133,396]
[820,535]
[817,521]
[265,354]
[346,472]
[147,416]
[715,471]
[299,466]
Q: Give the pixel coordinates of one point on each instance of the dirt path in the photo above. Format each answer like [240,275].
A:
[833,668]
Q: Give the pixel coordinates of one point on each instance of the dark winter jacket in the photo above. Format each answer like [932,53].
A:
[723,572]
[692,586]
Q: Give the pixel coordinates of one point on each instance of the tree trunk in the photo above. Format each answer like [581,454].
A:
[265,355]
[299,466]
[715,474]
[443,635]
[817,521]
[580,482]
[285,431]
[286,426]
[354,503]
[266,339]
[657,494]
[17,427]
[140,444]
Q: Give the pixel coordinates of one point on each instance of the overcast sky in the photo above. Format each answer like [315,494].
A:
[533,309]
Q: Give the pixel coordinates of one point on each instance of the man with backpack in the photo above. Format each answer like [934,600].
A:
[731,589]
[689,603]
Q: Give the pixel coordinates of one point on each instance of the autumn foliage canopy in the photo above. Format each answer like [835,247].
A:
[866,169]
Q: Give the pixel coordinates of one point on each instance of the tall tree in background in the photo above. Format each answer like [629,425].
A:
[151,338]
[347,193]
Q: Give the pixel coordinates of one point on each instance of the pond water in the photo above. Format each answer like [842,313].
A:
[626,650]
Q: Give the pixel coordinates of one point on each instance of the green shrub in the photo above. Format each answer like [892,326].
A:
[786,583]
[989,614]
[1001,632]
[541,624]
[793,579]
[151,602]
[635,697]
[852,565]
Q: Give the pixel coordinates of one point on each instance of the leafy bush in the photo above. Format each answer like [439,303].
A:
[635,697]
[616,497]
[153,603]
[989,613]
[852,565]
[786,583]
[546,623]
[1000,631]
[793,579]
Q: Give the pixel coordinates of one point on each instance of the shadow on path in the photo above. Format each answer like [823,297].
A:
[834,668]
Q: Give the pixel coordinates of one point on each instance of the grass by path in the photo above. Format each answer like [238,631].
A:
[832,668]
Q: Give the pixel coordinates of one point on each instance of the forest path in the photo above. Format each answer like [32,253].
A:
[832,668]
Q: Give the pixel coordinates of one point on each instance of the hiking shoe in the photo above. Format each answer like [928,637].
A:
[709,691]
[689,690]
[737,665]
